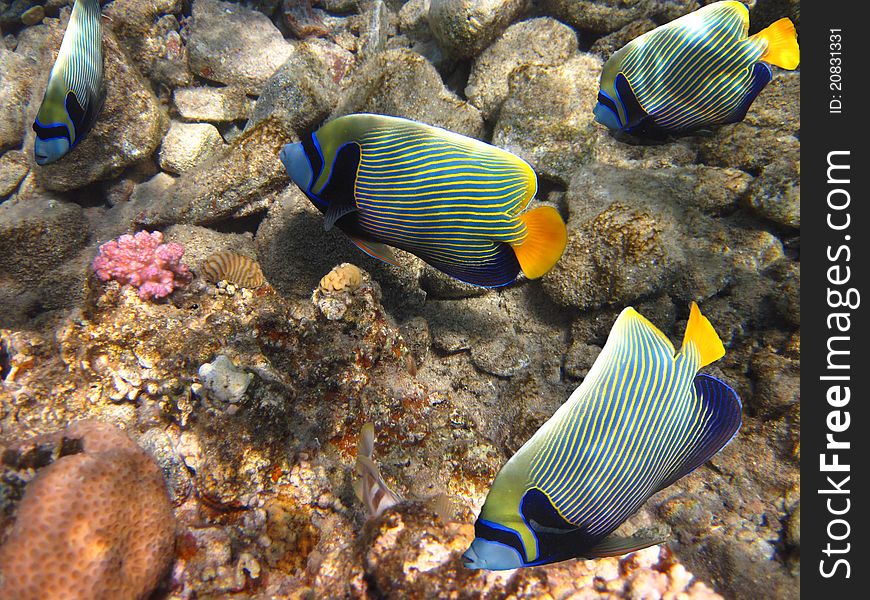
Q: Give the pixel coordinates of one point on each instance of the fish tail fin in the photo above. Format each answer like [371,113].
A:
[545,242]
[782,45]
[700,332]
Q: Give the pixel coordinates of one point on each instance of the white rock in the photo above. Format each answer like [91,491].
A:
[213,105]
[224,380]
[187,145]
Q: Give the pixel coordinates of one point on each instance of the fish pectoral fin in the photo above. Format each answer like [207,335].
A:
[358,490]
[782,45]
[334,212]
[546,240]
[721,418]
[376,250]
[614,545]
[700,332]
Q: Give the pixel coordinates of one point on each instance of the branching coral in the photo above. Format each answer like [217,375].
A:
[143,261]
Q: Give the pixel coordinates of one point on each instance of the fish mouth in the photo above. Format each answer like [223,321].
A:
[470,560]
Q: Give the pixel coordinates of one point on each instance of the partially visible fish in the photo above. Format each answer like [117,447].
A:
[642,419]
[73,97]
[454,201]
[374,493]
[370,487]
[697,71]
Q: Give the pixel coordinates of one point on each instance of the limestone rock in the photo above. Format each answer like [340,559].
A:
[188,144]
[539,42]
[605,16]
[16,80]
[235,45]
[465,27]
[211,104]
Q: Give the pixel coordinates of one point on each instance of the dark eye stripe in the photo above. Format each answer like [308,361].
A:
[484,530]
[313,155]
[51,131]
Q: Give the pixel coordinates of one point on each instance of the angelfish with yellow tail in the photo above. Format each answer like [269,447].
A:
[454,201]
[73,97]
[697,71]
[642,419]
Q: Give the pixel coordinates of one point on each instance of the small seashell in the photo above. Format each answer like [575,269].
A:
[236,269]
[344,277]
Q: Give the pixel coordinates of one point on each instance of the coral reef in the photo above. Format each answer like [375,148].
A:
[144,262]
[95,523]
[235,268]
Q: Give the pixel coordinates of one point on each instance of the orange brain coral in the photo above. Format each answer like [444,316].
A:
[96,525]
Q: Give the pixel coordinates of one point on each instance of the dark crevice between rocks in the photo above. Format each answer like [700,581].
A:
[247,224]
[5,364]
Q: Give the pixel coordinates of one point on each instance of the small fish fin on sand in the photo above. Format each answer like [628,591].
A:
[366,444]
[442,505]
[545,243]
[782,46]
[722,419]
[614,545]
[382,252]
[700,332]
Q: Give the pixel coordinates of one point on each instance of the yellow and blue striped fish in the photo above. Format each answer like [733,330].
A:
[73,97]
[697,71]
[451,200]
[641,419]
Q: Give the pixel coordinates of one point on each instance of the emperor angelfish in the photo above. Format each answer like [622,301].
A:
[73,97]
[640,420]
[451,200]
[696,71]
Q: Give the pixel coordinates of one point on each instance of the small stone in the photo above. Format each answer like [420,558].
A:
[32,16]
[213,105]
[465,27]
[224,380]
[188,144]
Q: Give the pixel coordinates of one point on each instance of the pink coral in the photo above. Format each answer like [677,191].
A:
[143,261]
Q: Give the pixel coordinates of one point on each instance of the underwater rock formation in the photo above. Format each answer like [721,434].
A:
[95,523]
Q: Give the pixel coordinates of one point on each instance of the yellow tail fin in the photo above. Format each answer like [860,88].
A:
[700,332]
[543,246]
[782,46]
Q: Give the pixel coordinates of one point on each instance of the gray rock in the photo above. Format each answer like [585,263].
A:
[765,12]
[245,175]
[235,45]
[32,16]
[212,105]
[201,242]
[776,193]
[17,73]
[768,133]
[558,135]
[402,83]
[634,233]
[128,129]
[605,16]
[777,382]
[502,357]
[465,27]
[13,168]
[37,234]
[378,24]
[605,46]
[539,42]
[414,19]
[178,481]
[305,89]
[142,27]
[188,144]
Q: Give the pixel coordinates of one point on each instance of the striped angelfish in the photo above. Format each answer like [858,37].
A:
[640,420]
[73,97]
[451,200]
[697,71]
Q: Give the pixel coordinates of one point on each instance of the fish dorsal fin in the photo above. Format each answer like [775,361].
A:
[782,46]
[630,317]
[700,332]
[366,444]
[719,419]
[614,545]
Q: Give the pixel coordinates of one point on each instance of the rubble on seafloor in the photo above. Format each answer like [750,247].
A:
[200,96]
